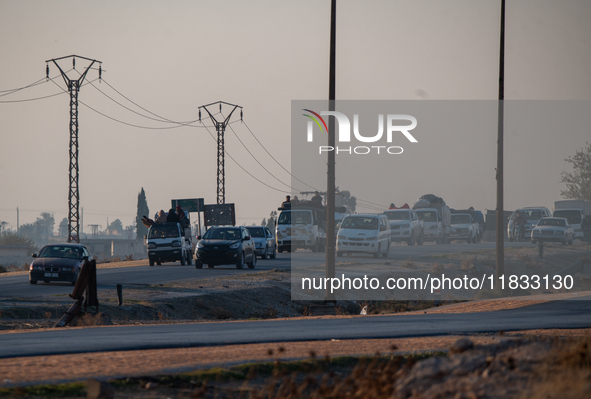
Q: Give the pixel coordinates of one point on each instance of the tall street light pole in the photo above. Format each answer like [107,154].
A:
[330,183]
[500,264]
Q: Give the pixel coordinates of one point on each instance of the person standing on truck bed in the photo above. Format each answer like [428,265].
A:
[161,217]
[317,198]
[172,217]
[287,202]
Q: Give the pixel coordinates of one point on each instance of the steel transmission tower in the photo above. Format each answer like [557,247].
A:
[220,127]
[73,88]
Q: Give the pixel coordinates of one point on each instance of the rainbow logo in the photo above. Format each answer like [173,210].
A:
[316,118]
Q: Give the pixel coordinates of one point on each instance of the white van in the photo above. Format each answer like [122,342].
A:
[367,233]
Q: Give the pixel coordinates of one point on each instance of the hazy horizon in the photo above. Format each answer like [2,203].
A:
[170,58]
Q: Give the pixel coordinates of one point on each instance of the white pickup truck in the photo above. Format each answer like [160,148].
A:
[436,223]
[301,226]
[405,226]
[169,242]
[464,227]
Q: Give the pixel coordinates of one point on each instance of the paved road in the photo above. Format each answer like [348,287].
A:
[558,314]
[19,287]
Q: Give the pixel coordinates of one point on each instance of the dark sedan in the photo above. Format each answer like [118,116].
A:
[58,262]
[225,246]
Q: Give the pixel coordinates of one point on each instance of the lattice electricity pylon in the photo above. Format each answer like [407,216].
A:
[73,193]
[220,127]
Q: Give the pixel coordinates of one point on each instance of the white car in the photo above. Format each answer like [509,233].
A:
[405,226]
[532,214]
[553,230]
[366,233]
[463,227]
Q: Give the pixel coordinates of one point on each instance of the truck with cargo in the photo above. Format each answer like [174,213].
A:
[436,218]
[574,211]
[301,225]
[436,223]
[170,242]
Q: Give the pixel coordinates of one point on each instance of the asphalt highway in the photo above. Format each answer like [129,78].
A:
[574,313]
[12,287]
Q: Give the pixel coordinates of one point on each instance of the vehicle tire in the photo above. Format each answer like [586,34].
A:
[411,240]
[151,261]
[421,239]
[198,264]
[385,254]
[189,258]
[273,254]
[210,265]
[253,263]
[183,261]
[571,241]
[564,242]
[280,249]
[377,254]
[73,282]
[439,240]
[240,262]
[289,249]
[46,281]
[340,254]
[159,263]
[265,255]
[32,281]
[322,247]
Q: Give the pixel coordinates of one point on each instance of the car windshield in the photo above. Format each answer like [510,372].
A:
[552,222]
[57,251]
[360,222]
[532,214]
[573,217]
[427,216]
[295,217]
[258,232]
[163,231]
[222,234]
[460,219]
[398,215]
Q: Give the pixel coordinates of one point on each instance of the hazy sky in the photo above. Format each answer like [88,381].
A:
[171,57]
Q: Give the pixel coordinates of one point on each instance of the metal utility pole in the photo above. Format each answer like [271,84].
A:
[500,264]
[220,127]
[73,194]
[330,182]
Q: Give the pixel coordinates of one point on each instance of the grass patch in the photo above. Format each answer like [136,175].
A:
[74,389]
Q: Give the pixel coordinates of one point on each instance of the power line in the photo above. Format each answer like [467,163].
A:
[272,157]
[257,161]
[160,118]
[40,81]
[247,172]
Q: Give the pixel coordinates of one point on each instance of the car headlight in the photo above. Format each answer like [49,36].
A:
[559,232]
[176,243]
[371,238]
[341,237]
[235,245]
[151,246]
[405,226]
